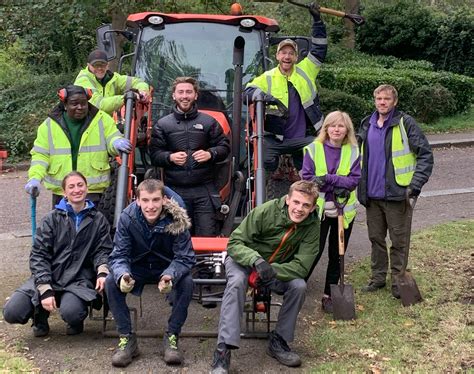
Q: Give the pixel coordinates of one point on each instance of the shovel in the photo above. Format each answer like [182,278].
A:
[342,295]
[409,292]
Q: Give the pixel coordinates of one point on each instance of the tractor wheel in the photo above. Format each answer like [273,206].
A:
[107,201]
[277,188]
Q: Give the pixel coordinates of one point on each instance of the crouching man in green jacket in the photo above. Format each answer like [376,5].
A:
[279,240]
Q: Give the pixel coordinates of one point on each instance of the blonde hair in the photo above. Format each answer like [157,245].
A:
[338,117]
[387,87]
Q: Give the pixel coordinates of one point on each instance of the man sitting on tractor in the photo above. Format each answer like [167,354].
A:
[152,244]
[293,123]
[108,87]
[279,241]
[187,144]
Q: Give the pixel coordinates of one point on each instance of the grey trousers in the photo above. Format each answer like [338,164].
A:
[232,308]
[383,216]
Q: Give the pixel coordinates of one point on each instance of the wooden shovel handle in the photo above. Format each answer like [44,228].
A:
[340,233]
[334,12]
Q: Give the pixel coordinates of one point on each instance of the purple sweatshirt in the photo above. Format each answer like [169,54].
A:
[333,155]
[296,122]
[376,159]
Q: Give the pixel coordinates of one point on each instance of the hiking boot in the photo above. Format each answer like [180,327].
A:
[41,329]
[278,349]
[372,287]
[172,356]
[326,304]
[75,329]
[126,350]
[395,291]
[40,324]
[221,361]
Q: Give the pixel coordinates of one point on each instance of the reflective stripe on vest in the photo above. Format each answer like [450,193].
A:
[349,154]
[403,159]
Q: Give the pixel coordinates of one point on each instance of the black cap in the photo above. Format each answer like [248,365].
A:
[97,56]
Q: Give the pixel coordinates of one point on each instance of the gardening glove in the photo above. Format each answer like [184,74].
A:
[33,187]
[123,145]
[320,180]
[166,284]
[265,271]
[126,283]
[314,10]
[342,193]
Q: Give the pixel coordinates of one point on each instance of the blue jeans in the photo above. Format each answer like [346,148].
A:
[182,295]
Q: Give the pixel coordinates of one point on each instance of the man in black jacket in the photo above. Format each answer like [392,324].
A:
[396,162]
[187,144]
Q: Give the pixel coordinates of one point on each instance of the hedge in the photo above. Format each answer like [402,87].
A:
[24,106]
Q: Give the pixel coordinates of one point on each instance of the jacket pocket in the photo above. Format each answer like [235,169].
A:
[100,165]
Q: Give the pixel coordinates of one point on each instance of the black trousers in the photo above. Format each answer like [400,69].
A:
[329,227]
[273,148]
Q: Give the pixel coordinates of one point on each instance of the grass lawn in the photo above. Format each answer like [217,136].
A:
[433,336]
[458,123]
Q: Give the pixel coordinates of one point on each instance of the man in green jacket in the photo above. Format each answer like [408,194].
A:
[108,87]
[279,240]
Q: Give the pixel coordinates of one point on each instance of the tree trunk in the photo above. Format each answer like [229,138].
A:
[118,23]
[351,6]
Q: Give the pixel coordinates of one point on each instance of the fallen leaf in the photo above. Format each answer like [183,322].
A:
[370,353]
[360,307]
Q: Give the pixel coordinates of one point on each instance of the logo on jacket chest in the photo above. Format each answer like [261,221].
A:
[198,126]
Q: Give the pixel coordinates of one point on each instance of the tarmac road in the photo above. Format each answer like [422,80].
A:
[449,195]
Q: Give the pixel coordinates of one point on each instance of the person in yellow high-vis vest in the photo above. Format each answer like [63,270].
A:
[75,136]
[293,84]
[107,87]
[333,162]
[396,162]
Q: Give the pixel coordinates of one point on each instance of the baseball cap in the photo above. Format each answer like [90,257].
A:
[289,42]
[97,56]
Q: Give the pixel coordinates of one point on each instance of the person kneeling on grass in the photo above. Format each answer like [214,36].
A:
[152,244]
[68,263]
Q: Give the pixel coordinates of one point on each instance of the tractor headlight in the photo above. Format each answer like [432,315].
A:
[155,20]
[247,22]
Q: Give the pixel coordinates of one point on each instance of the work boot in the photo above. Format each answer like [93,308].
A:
[172,356]
[372,287]
[40,324]
[221,361]
[326,304]
[75,329]
[126,350]
[395,291]
[278,349]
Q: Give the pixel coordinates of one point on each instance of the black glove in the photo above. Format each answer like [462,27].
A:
[342,193]
[320,181]
[264,270]
[413,191]
[314,10]
[270,99]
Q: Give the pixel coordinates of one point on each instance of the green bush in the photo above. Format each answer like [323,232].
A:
[433,102]
[356,107]
[23,107]
[361,81]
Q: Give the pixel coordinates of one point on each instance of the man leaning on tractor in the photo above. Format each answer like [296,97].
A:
[108,87]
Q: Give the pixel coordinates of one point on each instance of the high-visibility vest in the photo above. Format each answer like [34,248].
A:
[110,97]
[403,159]
[52,159]
[349,154]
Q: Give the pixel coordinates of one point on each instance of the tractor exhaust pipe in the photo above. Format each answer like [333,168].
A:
[123,172]
[238,62]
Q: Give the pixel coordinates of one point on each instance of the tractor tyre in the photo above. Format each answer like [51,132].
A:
[107,201]
[277,188]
